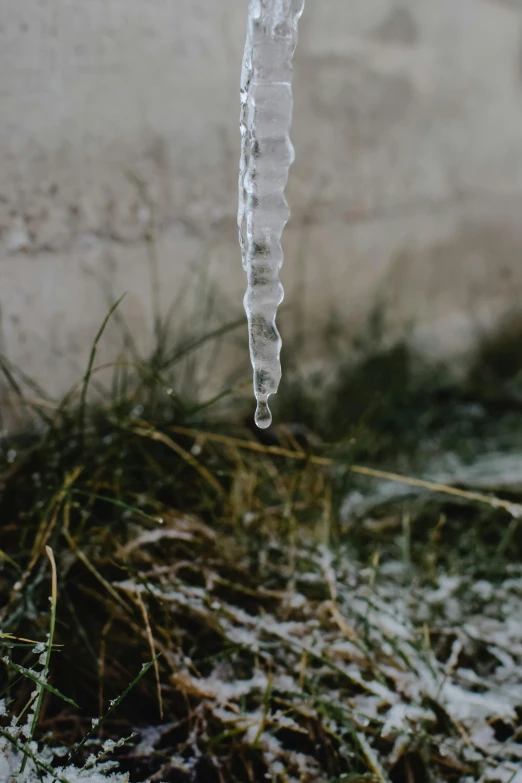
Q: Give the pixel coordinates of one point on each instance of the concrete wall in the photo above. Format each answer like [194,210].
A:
[118,120]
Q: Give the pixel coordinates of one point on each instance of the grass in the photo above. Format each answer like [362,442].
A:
[311,623]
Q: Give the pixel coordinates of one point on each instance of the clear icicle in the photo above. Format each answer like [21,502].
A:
[266,157]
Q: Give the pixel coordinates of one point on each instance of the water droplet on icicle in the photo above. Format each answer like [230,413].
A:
[266,157]
[263,417]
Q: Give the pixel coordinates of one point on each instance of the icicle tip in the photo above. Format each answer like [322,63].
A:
[263,417]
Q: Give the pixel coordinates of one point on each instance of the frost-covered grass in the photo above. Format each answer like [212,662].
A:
[48,764]
[24,759]
[312,624]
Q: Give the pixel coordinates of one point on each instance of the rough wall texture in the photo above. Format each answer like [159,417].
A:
[118,121]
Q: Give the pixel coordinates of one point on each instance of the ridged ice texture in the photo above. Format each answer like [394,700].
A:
[266,157]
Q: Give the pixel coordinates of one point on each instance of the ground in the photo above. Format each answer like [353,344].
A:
[339,599]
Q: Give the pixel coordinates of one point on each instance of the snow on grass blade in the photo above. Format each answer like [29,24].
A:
[24,749]
[45,673]
[115,704]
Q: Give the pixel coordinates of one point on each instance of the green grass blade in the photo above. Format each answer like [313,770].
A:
[5,556]
[114,502]
[198,342]
[114,706]
[45,673]
[39,681]
[90,364]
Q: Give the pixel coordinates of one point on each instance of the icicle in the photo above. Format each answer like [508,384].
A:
[266,156]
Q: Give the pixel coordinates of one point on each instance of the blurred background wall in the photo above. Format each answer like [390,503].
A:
[119,142]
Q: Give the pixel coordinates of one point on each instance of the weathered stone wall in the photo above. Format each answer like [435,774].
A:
[118,120]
